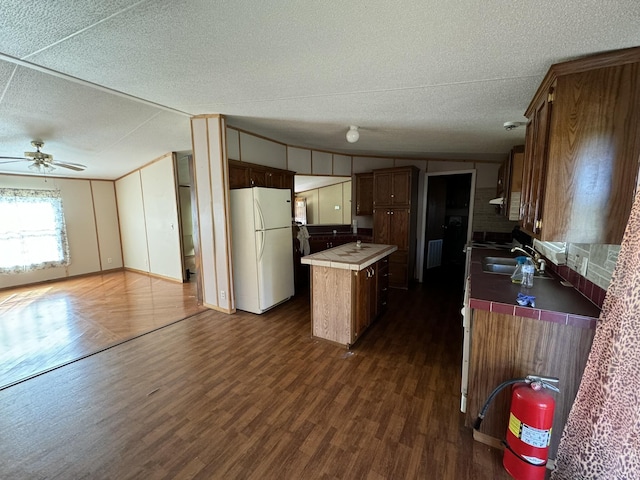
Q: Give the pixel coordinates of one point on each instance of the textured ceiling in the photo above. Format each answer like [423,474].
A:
[421,78]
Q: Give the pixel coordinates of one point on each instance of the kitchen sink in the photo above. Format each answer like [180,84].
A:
[505,266]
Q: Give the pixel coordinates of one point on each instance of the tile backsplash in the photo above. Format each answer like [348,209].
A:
[601,261]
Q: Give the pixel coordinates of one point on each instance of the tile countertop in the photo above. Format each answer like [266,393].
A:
[349,256]
[554,302]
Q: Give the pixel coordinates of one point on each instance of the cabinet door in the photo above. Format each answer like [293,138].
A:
[364,279]
[364,194]
[535,166]
[401,188]
[381,226]
[238,175]
[258,177]
[382,186]
[399,219]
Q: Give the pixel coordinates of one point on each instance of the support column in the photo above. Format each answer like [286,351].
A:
[212,240]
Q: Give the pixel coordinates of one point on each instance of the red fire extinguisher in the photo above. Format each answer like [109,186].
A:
[529,430]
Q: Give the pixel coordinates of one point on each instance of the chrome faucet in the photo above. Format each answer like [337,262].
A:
[533,254]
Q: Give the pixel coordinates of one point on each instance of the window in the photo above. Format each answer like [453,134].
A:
[32,230]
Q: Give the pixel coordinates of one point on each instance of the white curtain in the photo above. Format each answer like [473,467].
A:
[33,234]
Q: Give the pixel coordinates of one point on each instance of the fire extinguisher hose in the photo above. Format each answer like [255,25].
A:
[496,391]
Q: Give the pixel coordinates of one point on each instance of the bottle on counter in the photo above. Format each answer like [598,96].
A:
[528,270]
[516,276]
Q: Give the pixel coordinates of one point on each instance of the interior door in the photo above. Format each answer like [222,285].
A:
[436,216]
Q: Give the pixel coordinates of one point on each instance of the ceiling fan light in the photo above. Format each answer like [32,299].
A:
[41,168]
[353,134]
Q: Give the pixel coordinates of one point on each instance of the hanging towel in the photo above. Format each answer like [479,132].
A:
[303,238]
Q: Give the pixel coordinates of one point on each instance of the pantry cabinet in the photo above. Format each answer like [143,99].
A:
[582,150]
[395,193]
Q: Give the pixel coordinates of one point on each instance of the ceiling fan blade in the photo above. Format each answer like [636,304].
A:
[18,160]
[71,166]
[14,158]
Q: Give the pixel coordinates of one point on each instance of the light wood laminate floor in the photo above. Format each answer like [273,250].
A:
[47,325]
[255,397]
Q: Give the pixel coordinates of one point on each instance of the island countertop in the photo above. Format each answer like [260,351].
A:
[350,256]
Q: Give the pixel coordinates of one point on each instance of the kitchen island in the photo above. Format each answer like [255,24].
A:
[348,289]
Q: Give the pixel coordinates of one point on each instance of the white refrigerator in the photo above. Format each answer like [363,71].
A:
[262,247]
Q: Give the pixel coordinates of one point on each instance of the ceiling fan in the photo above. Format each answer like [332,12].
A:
[42,162]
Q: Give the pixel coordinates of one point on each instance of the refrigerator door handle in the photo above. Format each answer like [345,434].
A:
[261,217]
[261,246]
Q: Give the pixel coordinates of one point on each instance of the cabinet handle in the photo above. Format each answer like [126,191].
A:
[392,195]
[391,213]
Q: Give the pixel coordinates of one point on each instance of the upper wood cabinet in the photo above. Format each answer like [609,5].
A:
[245,175]
[582,150]
[364,193]
[510,183]
[392,187]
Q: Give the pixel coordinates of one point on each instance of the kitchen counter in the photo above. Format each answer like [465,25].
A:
[504,340]
[350,256]
[554,302]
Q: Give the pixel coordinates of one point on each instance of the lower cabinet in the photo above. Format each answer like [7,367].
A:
[392,226]
[345,302]
[505,346]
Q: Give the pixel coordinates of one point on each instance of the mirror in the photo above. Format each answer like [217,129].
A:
[323,200]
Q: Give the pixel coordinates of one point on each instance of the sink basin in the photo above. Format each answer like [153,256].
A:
[505,266]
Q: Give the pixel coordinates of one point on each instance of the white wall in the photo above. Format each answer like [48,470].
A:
[106,212]
[133,229]
[148,211]
[161,218]
[92,227]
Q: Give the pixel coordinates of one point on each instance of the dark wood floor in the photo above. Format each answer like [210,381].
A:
[254,397]
[46,325]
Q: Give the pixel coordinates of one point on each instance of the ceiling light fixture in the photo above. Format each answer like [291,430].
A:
[41,167]
[353,134]
[508,126]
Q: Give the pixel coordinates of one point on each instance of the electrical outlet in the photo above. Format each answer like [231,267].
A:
[109,260]
[583,266]
[223,295]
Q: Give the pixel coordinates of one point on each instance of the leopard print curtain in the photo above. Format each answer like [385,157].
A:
[601,439]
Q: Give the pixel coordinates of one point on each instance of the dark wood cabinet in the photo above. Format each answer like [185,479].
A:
[395,220]
[382,285]
[535,165]
[245,175]
[364,193]
[582,149]
[392,187]
[509,186]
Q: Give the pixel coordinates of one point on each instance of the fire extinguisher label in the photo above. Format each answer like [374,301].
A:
[529,435]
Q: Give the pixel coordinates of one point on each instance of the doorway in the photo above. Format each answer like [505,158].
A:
[447,222]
